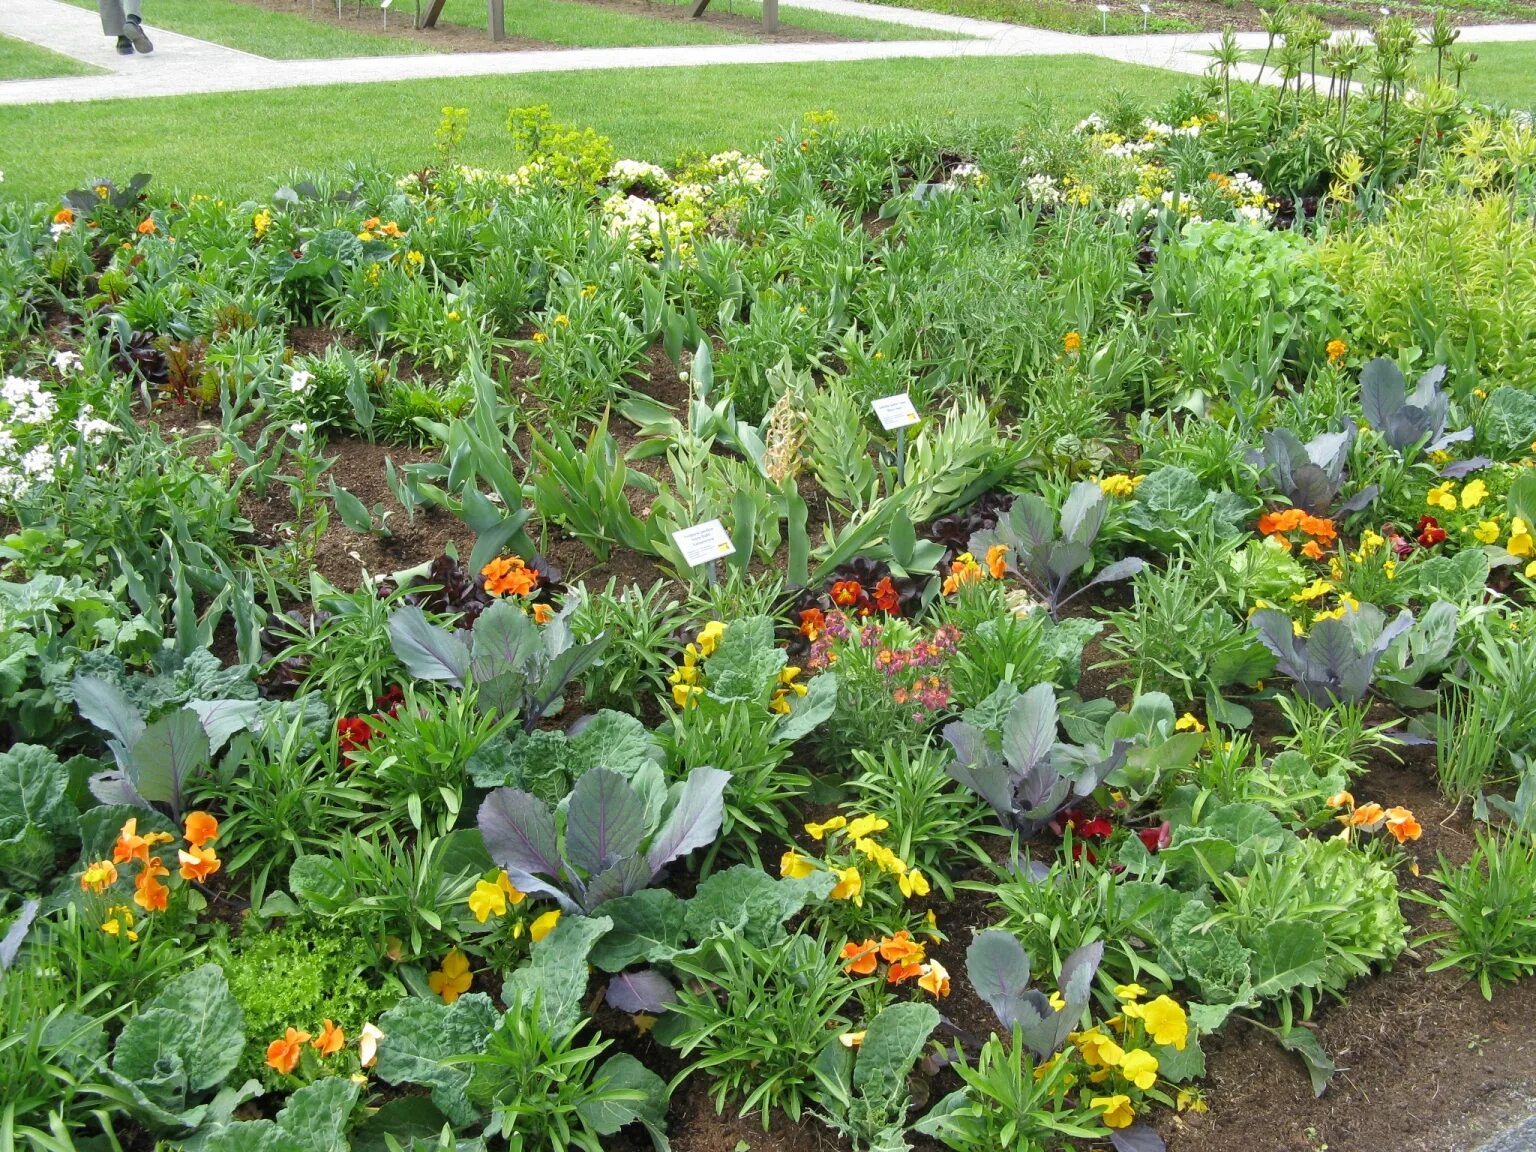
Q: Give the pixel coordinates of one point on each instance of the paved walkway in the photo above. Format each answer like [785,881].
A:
[183,65]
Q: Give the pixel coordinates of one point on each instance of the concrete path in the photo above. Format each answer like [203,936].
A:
[184,65]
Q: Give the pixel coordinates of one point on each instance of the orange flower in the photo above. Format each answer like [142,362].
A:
[370,224]
[1319,528]
[1336,350]
[330,1041]
[508,575]
[813,621]
[1072,343]
[201,828]
[148,227]
[1343,799]
[1402,825]
[1273,523]
[543,613]
[963,570]
[935,980]
[1367,815]
[899,973]
[64,216]
[131,846]
[1311,550]
[98,877]
[900,948]
[860,958]
[887,599]
[198,864]
[847,593]
[997,561]
[283,1055]
[149,894]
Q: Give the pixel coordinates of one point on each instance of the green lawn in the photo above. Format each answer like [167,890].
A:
[22,61]
[225,143]
[293,36]
[1078,16]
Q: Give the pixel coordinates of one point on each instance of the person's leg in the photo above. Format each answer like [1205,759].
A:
[133,27]
[111,16]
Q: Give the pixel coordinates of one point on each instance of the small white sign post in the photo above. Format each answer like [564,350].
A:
[705,544]
[1104,16]
[897,414]
[384,7]
[1146,15]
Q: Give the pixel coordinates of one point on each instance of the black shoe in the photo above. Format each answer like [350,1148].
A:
[124,46]
[134,31]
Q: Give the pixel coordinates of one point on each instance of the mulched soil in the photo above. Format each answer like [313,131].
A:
[449,37]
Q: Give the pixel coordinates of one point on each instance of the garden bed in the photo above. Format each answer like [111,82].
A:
[1130,750]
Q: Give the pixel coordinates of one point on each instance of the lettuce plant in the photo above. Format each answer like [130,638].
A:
[1046,551]
[1333,663]
[864,1090]
[37,817]
[1407,421]
[611,837]
[1022,771]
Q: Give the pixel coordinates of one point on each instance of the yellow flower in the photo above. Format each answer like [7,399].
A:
[883,857]
[709,638]
[453,316]
[851,1039]
[850,886]
[1312,591]
[544,925]
[817,831]
[1166,1022]
[415,258]
[1336,350]
[539,337]
[588,291]
[368,1045]
[1487,532]
[120,922]
[452,979]
[1118,1112]
[1072,343]
[1474,494]
[1530,574]
[1129,993]
[866,825]
[1119,484]
[1140,1068]
[1190,1099]
[1098,1050]
[1520,541]
[683,694]
[562,320]
[795,866]
[1442,497]
[913,883]
[261,222]
[487,900]
[1188,723]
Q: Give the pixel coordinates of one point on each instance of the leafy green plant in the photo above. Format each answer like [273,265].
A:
[1334,662]
[1408,422]
[1311,475]
[863,1090]
[640,623]
[38,820]
[1489,904]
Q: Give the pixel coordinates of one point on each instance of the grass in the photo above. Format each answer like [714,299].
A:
[1054,15]
[1503,74]
[22,61]
[224,144]
[567,23]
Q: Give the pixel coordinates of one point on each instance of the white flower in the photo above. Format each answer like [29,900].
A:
[66,362]
[92,430]
[299,381]
[1093,123]
[59,228]
[28,402]
[298,427]
[37,463]
[628,172]
[1042,189]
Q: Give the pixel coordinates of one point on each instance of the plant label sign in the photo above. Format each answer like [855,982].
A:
[703,543]
[895,411]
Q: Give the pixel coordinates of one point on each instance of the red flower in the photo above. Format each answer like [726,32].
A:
[353,733]
[887,599]
[1096,829]
[1079,850]
[1429,532]
[1155,839]
[813,622]
[847,593]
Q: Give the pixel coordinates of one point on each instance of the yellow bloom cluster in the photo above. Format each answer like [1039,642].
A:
[839,832]
[685,677]
[1161,1021]
[1120,485]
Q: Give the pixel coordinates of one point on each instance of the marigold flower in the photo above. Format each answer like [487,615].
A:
[794,866]
[368,1045]
[452,978]
[934,980]
[98,877]
[1072,343]
[200,828]
[283,1055]
[1402,825]
[1336,350]
[544,925]
[1118,1112]
[850,886]
[860,958]
[148,227]
[197,863]
[508,575]
[330,1041]
[1166,1022]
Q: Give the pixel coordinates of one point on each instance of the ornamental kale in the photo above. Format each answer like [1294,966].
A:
[1310,475]
[1334,663]
[1407,421]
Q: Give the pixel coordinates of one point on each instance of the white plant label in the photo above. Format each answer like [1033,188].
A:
[703,543]
[895,411]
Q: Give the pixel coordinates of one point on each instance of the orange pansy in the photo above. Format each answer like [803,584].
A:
[201,828]
[860,958]
[330,1041]
[283,1055]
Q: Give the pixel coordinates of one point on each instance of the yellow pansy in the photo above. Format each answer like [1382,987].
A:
[1312,591]
[1166,1022]
[1189,722]
[817,831]
[1118,1112]
[487,900]
[1139,1067]
[1442,497]
[1129,993]
[1487,532]
[865,826]
[452,979]
[1098,1050]
[795,866]
[913,883]
[1474,494]
[1520,541]
[544,925]
[850,886]
[709,638]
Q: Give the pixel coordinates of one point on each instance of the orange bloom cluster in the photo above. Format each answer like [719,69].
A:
[284,1053]
[1397,820]
[197,860]
[965,570]
[1320,531]
[509,576]
[904,958]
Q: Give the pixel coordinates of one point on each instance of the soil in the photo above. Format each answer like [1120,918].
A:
[449,37]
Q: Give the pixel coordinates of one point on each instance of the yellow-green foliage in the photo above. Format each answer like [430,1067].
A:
[573,157]
[299,977]
[1442,263]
